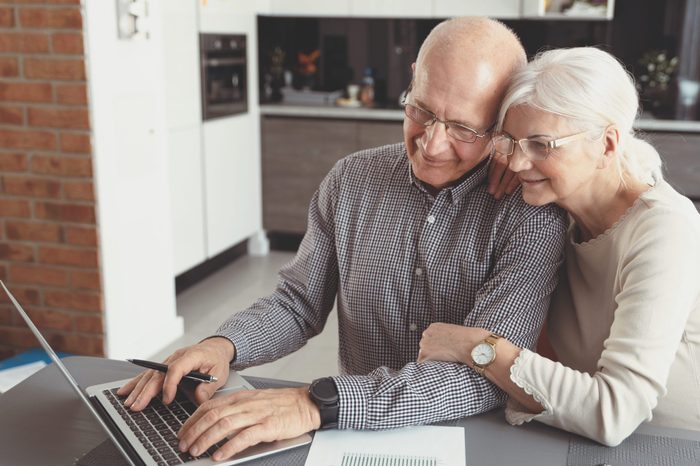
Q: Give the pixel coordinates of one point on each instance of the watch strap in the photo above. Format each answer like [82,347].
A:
[328,407]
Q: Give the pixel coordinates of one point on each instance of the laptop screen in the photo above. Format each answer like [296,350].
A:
[54,357]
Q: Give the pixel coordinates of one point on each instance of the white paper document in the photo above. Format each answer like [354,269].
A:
[408,446]
[14,375]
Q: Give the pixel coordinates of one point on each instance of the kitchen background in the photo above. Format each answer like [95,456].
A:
[144,144]
[348,48]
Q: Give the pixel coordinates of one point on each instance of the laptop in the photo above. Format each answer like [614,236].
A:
[148,437]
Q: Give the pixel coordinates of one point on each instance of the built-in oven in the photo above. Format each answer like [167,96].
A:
[224,75]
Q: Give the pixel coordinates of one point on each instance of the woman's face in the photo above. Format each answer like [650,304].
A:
[563,176]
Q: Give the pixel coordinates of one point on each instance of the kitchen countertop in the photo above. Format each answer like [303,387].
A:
[393,114]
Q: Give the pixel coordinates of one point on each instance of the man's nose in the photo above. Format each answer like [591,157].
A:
[518,160]
[436,137]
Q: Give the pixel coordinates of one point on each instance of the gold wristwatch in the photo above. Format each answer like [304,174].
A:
[484,353]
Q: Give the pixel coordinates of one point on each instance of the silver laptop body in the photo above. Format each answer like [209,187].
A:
[127,429]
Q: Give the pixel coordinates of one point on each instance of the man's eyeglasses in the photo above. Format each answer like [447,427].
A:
[426,118]
[534,149]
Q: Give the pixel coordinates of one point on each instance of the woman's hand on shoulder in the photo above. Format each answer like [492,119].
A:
[449,342]
[501,180]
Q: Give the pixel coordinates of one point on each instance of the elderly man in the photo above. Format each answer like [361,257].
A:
[403,236]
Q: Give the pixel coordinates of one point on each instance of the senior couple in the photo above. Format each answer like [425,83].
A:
[443,281]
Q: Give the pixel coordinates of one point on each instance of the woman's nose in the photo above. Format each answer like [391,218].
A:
[518,160]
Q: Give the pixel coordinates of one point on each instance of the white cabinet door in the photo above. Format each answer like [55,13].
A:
[231,145]
[181,64]
[183,120]
[184,149]
[238,7]
[391,8]
[493,8]
[232,181]
[310,7]
[536,9]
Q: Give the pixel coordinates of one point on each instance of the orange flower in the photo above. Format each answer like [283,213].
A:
[307,62]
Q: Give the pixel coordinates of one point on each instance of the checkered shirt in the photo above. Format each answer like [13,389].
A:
[397,259]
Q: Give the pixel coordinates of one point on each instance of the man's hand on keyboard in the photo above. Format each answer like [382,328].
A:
[247,418]
[212,356]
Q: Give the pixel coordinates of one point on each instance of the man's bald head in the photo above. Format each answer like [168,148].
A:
[474,51]
[471,38]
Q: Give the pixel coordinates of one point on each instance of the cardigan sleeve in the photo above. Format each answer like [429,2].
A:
[657,274]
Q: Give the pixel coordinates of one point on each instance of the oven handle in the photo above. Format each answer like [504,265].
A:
[216,62]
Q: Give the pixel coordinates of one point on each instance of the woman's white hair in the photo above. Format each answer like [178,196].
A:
[592,89]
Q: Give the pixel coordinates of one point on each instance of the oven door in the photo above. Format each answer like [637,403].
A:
[224,75]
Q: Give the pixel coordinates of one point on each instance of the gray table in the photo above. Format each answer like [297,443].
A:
[44,408]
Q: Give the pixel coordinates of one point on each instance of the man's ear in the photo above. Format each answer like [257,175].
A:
[413,67]
[611,143]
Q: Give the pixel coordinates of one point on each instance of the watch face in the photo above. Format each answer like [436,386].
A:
[483,353]
[325,390]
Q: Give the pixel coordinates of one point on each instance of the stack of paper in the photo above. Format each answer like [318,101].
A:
[409,446]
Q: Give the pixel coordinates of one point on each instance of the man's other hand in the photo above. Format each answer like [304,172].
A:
[247,418]
[501,179]
[212,356]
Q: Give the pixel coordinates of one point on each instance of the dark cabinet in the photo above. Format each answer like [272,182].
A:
[680,153]
[297,153]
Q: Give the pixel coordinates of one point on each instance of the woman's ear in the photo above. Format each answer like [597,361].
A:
[611,143]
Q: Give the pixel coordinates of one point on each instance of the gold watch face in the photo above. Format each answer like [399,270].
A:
[483,354]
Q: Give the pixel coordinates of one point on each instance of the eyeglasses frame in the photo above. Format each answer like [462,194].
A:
[553,144]
[447,123]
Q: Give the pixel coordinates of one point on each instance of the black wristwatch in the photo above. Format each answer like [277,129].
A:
[324,393]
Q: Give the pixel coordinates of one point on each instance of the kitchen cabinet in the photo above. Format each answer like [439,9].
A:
[231,144]
[379,133]
[580,10]
[681,161]
[393,8]
[297,153]
[232,181]
[503,9]
[309,7]
[183,139]
[184,148]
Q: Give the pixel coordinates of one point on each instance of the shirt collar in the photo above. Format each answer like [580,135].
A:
[460,187]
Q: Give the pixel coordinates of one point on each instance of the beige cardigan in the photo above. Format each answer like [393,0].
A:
[625,325]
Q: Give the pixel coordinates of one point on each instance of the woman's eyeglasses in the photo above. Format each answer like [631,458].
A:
[534,149]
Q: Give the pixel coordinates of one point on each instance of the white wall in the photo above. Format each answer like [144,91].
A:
[131,183]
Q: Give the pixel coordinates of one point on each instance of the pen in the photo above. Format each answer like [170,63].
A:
[194,375]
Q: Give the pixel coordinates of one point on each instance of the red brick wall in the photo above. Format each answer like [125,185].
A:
[48,236]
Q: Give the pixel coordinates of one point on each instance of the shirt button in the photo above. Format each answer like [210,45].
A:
[419,271]
[431,219]
[412,327]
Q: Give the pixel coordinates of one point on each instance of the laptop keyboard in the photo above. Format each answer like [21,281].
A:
[157,425]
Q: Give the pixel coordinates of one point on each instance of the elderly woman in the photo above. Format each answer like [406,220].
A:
[624,321]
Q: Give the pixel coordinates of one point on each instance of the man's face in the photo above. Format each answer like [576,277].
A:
[456,93]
